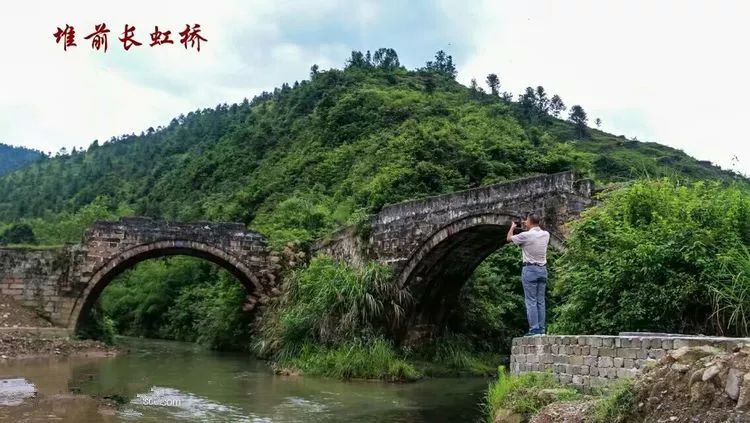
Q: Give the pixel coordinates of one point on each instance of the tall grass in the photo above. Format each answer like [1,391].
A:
[730,293]
[330,304]
[524,394]
[357,359]
[454,355]
[617,404]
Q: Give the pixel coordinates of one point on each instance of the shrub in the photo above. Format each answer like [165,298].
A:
[648,257]
[97,326]
[18,233]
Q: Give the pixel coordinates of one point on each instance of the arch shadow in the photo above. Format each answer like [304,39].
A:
[131,257]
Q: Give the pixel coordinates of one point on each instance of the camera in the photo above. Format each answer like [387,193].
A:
[519,226]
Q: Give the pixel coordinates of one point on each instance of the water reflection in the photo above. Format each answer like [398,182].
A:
[165,381]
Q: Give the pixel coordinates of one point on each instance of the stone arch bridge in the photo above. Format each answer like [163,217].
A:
[63,283]
[433,245]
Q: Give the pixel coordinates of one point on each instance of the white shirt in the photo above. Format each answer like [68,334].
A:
[533,245]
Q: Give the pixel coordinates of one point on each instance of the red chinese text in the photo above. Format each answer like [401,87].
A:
[159,38]
[192,36]
[68,35]
[127,38]
[98,37]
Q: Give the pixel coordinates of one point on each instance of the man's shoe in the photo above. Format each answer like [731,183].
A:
[534,332]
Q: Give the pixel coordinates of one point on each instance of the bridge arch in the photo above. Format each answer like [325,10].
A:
[126,259]
[441,265]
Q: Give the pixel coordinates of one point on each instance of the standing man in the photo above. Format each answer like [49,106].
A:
[533,243]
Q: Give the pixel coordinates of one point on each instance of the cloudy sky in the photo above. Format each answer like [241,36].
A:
[674,72]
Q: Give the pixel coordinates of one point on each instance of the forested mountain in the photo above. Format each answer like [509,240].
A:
[12,158]
[297,162]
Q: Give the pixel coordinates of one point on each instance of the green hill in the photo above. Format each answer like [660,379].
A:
[12,158]
[310,156]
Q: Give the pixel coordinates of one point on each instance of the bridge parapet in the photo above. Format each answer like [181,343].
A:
[496,196]
[105,240]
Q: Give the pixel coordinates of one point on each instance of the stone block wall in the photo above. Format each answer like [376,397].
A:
[591,361]
[39,279]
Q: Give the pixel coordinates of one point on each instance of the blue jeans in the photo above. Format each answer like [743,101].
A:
[534,279]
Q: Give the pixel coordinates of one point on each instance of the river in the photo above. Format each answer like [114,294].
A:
[163,381]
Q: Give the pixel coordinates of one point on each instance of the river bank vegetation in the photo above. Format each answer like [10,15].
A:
[522,397]
[313,156]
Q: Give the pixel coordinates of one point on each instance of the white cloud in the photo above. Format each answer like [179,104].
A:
[669,71]
[52,98]
[673,72]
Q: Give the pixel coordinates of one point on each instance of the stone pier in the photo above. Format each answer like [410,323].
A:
[591,361]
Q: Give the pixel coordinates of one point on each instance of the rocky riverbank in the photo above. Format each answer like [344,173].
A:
[25,334]
[699,384]
[24,343]
[690,384]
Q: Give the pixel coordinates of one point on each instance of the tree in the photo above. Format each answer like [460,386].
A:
[443,63]
[313,71]
[474,87]
[385,58]
[476,90]
[506,97]
[579,119]
[357,60]
[494,83]
[542,102]
[556,106]
[598,122]
[528,103]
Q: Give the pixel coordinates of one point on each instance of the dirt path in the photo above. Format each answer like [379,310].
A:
[24,344]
